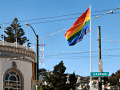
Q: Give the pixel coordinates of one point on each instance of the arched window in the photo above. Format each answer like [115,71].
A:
[12,81]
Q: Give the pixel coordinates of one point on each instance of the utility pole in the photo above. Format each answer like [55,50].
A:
[99,59]
[37,55]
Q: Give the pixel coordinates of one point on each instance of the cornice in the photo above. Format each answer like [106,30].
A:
[10,50]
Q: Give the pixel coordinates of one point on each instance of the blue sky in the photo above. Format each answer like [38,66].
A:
[75,58]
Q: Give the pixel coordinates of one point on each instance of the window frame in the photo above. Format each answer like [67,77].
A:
[18,73]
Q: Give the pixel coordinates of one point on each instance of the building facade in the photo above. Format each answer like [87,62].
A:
[16,67]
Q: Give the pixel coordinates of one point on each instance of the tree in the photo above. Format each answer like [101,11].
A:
[15,33]
[114,79]
[118,77]
[57,79]
[73,80]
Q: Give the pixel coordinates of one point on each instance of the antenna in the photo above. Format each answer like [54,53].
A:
[42,53]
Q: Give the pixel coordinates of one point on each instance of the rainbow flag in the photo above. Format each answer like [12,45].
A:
[80,28]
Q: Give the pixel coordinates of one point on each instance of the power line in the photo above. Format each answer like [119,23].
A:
[44,18]
[97,16]
[111,40]
[67,15]
[83,52]
[67,19]
[87,56]
[71,18]
[61,31]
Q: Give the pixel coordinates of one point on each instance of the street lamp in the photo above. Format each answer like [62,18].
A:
[37,52]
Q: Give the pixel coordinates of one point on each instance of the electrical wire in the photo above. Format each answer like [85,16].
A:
[83,52]
[60,31]
[44,18]
[66,28]
[67,19]
[93,56]
[50,20]
[67,15]
[62,19]
[96,16]
[111,40]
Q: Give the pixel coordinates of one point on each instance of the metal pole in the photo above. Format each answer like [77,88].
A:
[99,58]
[37,55]
[90,53]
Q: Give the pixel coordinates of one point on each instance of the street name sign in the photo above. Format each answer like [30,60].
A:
[99,74]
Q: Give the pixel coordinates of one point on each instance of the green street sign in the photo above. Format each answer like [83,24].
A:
[99,74]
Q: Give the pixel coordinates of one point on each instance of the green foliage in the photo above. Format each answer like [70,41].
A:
[45,88]
[73,81]
[57,79]
[105,80]
[114,79]
[15,31]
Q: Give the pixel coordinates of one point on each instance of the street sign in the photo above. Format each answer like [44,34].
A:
[99,74]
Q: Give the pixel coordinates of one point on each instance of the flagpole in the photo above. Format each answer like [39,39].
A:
[90,52]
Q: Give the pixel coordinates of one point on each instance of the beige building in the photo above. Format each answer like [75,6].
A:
[16,67]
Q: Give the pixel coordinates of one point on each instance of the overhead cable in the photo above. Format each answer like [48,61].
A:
[60,16]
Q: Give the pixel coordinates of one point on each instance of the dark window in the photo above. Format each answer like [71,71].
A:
[12,81]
